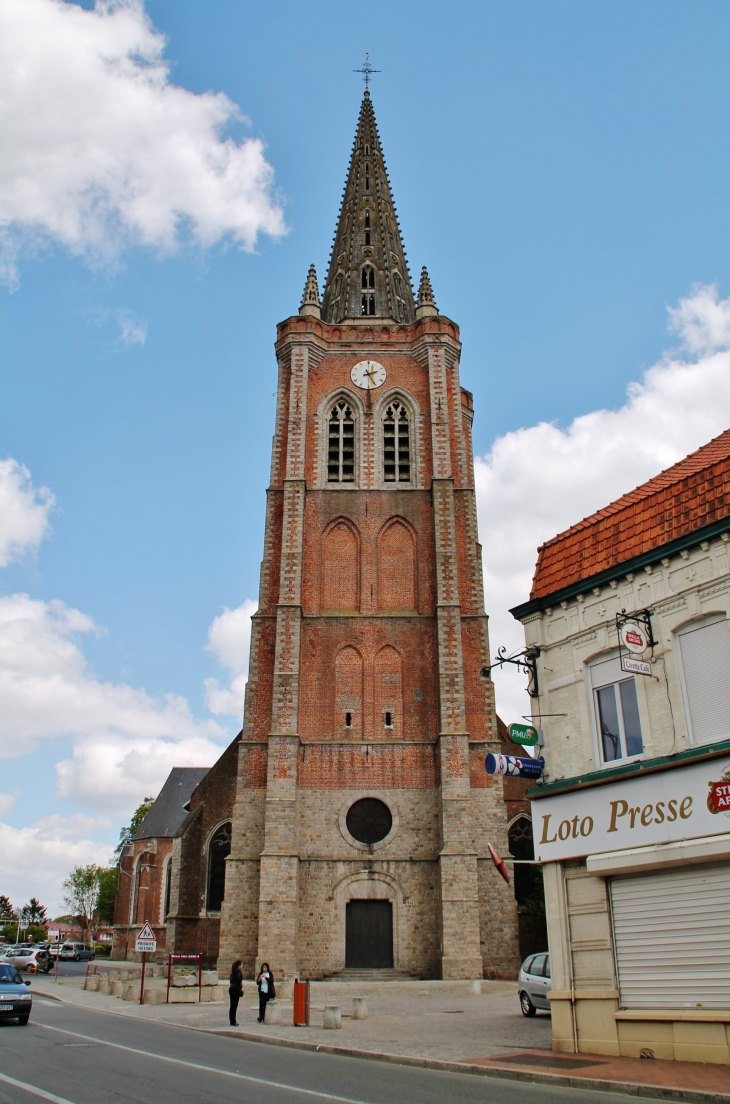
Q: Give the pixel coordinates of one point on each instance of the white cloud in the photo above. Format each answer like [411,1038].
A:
[101,151]
[24,512]
[229,638]
[7,801]
[124,740]
[34,860]
[132,330]
[537,481]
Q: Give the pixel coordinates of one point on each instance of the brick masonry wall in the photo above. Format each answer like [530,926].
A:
[371,604]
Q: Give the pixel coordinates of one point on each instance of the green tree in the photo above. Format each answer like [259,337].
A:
[6,909]
[35,933]
[108,881]
[80,892]
[35,912]
[126,833]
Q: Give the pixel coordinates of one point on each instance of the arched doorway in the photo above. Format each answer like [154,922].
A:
[368,935]
[529,894]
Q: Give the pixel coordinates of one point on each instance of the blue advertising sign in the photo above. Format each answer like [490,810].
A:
[514,766]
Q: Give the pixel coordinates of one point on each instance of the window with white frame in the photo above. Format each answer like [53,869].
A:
[616,711]
[704,660]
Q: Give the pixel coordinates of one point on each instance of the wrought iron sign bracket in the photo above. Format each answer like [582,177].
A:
[641,618]
[526,661]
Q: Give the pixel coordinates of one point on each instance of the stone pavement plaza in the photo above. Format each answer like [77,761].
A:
[417,1019]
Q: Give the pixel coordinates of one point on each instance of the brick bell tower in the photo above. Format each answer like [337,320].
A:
[363,811]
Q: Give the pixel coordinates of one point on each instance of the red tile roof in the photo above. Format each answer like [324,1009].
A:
[691,494]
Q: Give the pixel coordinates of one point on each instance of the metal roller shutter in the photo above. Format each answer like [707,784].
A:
[672,938]
[706,666]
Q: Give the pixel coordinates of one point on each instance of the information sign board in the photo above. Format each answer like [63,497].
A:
[523,734]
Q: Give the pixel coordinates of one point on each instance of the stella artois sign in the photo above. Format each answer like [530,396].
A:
[718,799]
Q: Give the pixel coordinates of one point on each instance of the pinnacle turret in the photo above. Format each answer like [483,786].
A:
[368,273]
[426,302]
[310,297]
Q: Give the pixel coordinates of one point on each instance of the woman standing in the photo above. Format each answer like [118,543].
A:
[235,991]
[267,992]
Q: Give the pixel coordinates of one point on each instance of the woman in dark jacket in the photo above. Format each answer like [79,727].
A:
[267,992]
[235,990]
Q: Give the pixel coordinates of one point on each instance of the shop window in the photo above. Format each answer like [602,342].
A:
[704,650]
[218,852]
[616,711]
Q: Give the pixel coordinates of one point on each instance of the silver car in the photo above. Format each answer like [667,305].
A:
[533,984]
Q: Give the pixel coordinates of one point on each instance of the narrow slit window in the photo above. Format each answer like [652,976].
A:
[388,720]
[367,237]
[396,445]
[341,445]
[367,218]
[348,720]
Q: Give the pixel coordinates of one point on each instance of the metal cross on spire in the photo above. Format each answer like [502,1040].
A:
[367,70]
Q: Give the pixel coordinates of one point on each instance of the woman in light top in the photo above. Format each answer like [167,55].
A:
[267,992]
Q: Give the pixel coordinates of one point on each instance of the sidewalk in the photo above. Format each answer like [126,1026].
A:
[436,1024]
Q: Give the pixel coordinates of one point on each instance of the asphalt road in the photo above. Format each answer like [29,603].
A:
[69,1055]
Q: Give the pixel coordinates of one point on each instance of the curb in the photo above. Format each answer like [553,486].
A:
[631,1088]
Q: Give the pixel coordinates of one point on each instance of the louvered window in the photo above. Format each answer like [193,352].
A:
[705,654]
[341,446]
[396,445]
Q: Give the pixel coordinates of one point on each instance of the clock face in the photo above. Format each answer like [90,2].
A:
[368,374]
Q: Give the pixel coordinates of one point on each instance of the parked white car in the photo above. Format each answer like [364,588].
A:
[533,984]
[31,961]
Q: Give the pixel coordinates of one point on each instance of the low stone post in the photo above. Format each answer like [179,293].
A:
[102,985]
[150,996]
[273,1014]
[117,988]
[91,982]
[475,989]
[332,1019]
[359,1008]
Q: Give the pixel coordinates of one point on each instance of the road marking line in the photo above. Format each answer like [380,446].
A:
[35,1091]
[198,1066]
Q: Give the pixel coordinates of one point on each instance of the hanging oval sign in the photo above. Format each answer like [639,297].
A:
[522,734]
[633,637]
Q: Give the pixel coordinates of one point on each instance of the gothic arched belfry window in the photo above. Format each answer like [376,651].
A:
[396,444]
[218,852]
[341,444]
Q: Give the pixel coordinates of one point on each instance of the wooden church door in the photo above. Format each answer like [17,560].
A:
[369,935]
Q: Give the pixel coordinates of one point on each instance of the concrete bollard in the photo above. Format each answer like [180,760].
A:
[116,988]
[475,989]
[273,1014]
[219,993]
[150,996]
[90,983]
[209,977]
[185,980]
[332,1019]
[113,975]
[131,991]
[359,1008]
[102,985]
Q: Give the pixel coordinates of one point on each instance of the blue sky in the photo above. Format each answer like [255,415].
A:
[563,171]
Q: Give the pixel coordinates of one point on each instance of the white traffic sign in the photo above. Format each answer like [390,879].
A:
[146,941]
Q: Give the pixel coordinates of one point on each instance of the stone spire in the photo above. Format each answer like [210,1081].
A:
[368,274]
[426,302]
[310,297]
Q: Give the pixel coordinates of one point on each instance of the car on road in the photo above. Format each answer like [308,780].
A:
[33,961]
[533,984]
[76,952]
[15,999]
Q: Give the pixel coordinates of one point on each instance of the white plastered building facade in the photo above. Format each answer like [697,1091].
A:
[632,817]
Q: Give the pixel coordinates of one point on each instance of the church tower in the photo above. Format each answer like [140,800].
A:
[363,811]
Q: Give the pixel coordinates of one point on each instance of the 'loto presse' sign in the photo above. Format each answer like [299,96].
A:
[663,807]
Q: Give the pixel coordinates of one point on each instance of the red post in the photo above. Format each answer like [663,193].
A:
[141,988]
